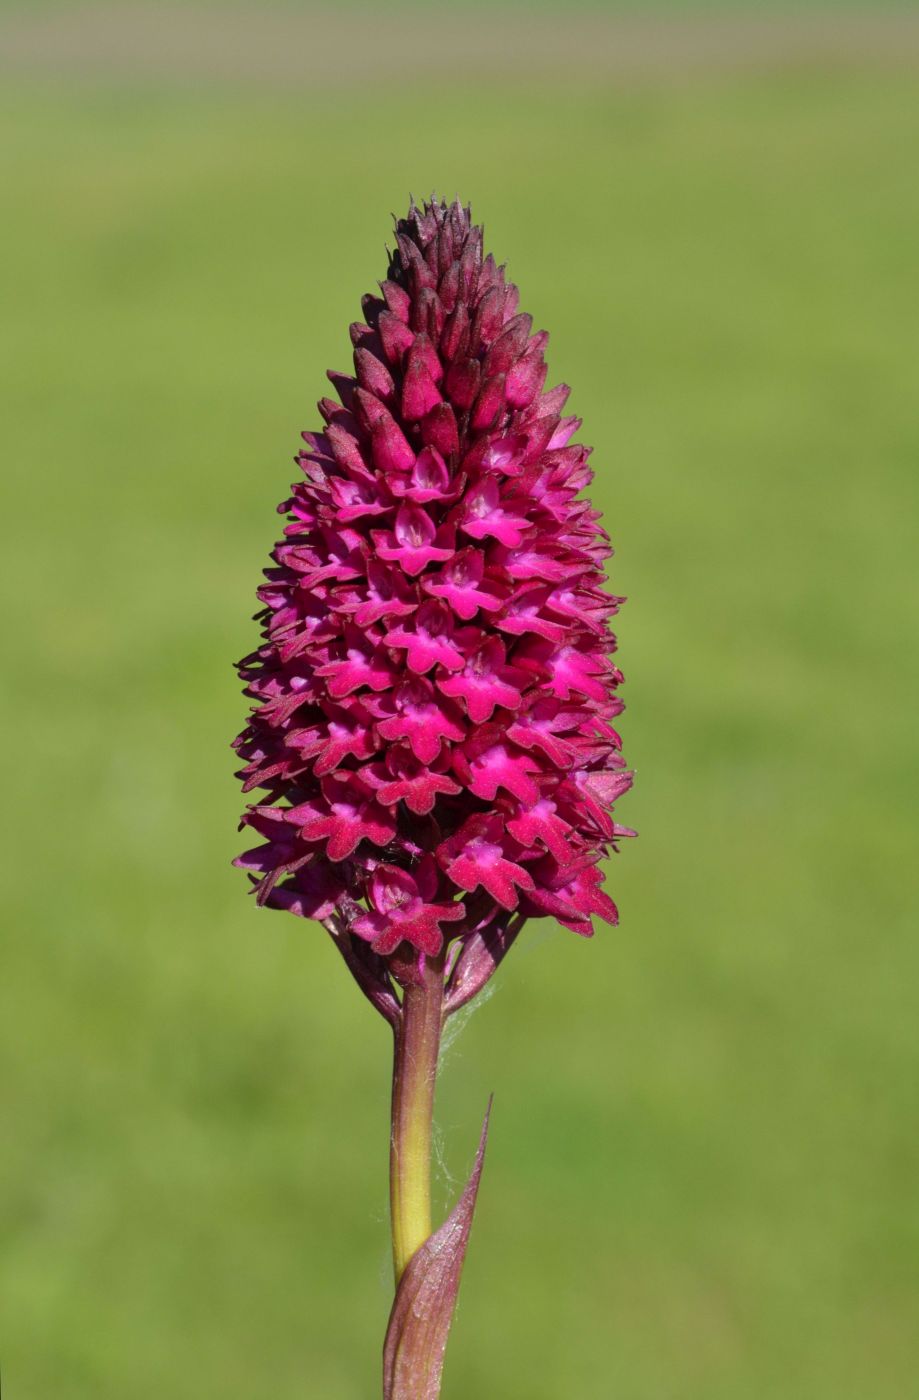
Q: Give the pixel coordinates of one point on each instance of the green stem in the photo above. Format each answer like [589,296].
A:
[417,1044]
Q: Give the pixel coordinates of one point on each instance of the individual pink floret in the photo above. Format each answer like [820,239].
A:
[343,814]
[428,639]
[414,541]
[359,660]
[403,908]
[489,763]
[404,778]
[459,584]
[485,517]
[486,681]
[415,713]
[480,854]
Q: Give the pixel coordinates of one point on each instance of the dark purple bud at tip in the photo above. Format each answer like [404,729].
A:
[419,392]
[524,380]
[391,451]
[487,321]
[397,299]
[395,336]
[509,346]
[373,375]
[439,430]
[489,403]
[463,380]
[456,333]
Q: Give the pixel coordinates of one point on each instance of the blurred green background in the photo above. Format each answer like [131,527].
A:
[702,1178]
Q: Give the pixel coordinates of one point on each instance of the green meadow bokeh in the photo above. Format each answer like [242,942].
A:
[702,1176]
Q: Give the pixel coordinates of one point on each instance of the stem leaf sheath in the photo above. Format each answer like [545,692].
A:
[419,1324]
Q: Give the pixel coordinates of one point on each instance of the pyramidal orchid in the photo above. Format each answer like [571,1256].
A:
[433,733]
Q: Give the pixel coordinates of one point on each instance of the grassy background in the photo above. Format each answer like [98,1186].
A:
[702,1175]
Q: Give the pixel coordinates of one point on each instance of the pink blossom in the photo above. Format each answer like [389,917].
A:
[434,693]
[404,778]
[414,542]
[459,583]
[344,813]
[428,639]
[403,908]
[486,682]
[415,714]
[482,853]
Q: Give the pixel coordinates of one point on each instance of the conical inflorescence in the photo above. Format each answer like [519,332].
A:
[435,696]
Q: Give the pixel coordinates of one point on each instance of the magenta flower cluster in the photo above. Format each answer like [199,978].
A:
[435,693]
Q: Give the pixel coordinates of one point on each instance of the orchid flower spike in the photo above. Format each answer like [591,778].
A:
[433,730]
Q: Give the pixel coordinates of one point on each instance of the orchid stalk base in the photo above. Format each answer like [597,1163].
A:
[416,1049]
